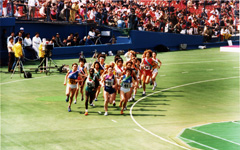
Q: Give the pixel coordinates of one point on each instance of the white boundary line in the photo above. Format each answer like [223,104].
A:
[137,130]
[25,79]
[235,122]
[114,121]
[161,138]
[198,143]
[214,136]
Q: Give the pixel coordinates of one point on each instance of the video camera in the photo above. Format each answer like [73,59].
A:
[48,50]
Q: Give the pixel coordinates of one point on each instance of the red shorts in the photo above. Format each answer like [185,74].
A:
[147,72]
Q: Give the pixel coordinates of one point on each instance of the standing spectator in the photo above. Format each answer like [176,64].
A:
[19,36]
[22,31]
[12,35]
[58,41]
[28,45]
[73,11]
[32,6]
[4,8]
[36,41]
[177,28]
[60,7]
[10,54]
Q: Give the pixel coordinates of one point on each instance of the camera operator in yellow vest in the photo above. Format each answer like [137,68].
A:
[41,54]
[18,52]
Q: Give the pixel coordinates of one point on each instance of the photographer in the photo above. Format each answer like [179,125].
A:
[41,55]
[17,48]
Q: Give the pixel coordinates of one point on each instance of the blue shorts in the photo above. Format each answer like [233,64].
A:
[110,90]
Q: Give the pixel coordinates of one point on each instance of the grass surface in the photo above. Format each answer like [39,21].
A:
[34,112]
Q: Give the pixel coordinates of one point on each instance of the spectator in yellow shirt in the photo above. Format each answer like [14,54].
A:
[17,48]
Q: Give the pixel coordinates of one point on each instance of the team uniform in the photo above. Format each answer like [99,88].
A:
[155,70]
[126,84]
[148,66]
[108,84]
[72,77]
[118,73]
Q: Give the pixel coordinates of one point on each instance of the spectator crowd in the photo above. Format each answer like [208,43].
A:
[194,17]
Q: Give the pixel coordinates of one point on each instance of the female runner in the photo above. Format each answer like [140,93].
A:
[83,71]
[125,91]
[118,72]
[92,83]
[110,83]
[72,77]
[136,71]
[155,71]
[148,64]
[101,60]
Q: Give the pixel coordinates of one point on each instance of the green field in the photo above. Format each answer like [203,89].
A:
[194,88]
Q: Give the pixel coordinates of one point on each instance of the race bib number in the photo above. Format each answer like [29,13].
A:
[108,83]
[90,84]
[126,85]
[147,67]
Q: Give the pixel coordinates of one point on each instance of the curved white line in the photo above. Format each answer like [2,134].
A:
[161,138]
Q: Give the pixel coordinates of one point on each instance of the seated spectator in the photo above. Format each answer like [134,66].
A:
[53,40]
[89,41]
[83,41]
[91,33]
[69,41]
[74,42]
[64,42]
[58,40]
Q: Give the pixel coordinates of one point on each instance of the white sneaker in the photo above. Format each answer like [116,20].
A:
[75,102]
[125,108]
[140,86]
[105,114]
[92,104]
[130,99]
[153,88]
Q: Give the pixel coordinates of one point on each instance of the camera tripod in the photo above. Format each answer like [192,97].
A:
[48,60]
[19,63]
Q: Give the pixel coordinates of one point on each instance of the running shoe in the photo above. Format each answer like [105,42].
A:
[67,99]
[121,112]
[106,113]
[133,99]
[69,109]
[125,108]
[114,104]
[95,99]
[75,102]
[82,98]
[86,113]
[153,88]
[143,94]
[130,99]
[92,104]
[140,86]
[151,83]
